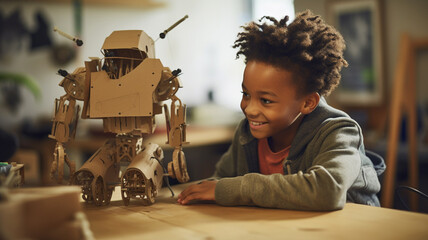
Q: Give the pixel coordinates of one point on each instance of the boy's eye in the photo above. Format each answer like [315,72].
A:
[244,94]
[265,101]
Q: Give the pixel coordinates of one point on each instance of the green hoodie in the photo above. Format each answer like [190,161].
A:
[328,167]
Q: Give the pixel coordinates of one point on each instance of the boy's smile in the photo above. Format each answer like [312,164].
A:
[270,103]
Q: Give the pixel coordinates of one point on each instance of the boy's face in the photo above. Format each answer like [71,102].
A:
[269,101]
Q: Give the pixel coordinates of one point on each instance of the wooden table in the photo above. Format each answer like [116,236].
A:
[166,219]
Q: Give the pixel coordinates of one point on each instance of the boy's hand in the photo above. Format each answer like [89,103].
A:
[201,191]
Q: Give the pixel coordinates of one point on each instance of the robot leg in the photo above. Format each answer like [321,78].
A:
[99,175]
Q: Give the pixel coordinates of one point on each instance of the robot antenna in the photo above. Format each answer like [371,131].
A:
[163,34]
[74,39]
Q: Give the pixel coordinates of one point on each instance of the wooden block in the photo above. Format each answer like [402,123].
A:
[36,212]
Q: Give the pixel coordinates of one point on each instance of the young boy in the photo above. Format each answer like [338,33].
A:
[292,150]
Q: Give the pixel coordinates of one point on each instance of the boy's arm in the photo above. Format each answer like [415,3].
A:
[322,187]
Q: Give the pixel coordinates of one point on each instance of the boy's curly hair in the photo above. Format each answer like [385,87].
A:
[308,47]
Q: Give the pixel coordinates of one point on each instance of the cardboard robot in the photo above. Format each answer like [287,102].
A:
[126,89]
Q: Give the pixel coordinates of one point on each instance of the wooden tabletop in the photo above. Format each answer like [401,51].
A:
[166,219]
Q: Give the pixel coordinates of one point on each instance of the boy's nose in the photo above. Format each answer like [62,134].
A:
[251,109]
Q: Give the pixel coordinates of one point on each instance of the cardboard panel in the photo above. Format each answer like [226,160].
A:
[130,95]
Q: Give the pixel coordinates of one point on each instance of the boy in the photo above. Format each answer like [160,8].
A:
[292,150]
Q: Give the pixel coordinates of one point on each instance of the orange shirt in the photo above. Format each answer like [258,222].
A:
[270,162]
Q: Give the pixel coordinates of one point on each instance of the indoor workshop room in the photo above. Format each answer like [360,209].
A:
[203,119]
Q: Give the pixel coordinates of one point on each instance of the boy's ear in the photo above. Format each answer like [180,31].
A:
[310,103]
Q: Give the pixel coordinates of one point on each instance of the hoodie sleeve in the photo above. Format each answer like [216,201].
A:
[335,164]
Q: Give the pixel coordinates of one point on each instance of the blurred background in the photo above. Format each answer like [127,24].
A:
[31,54]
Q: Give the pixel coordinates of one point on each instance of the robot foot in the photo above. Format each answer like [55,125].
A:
[134,184]
[84,179]
[93,190]
[100,192]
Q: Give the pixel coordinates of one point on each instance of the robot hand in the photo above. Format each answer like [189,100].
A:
[57,167]
[178,168]
[65,121]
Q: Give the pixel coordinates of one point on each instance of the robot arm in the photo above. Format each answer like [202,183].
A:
[175,123]
[176,130]
[65,120]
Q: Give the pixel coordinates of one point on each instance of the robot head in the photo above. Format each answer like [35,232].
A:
[130,41]
[124,50]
